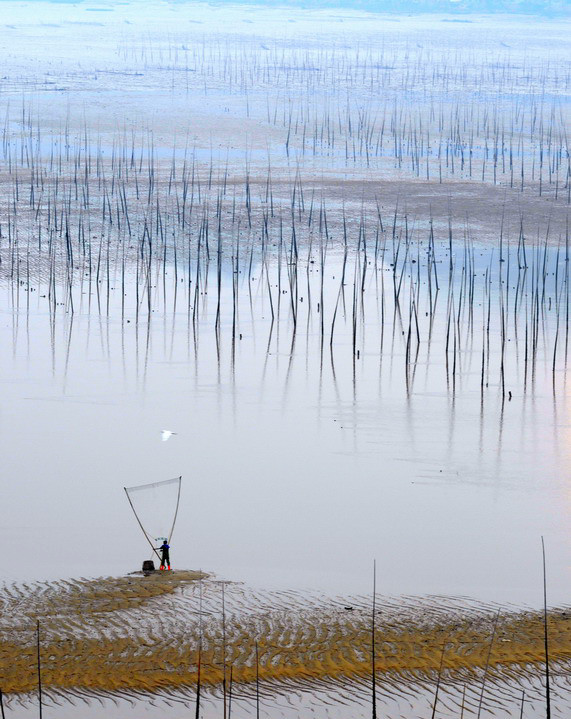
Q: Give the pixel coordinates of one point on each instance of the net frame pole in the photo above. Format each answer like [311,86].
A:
[176,508]
[151,485]
[140,525]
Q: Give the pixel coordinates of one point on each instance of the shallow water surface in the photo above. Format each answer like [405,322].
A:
[300,462]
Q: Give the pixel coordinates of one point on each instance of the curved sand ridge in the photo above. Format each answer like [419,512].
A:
[141,634]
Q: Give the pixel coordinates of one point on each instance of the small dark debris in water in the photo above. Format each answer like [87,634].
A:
[348,609]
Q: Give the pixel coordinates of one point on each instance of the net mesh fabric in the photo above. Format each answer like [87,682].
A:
[155,506]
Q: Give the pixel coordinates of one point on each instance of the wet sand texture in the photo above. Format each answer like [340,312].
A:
[142,634]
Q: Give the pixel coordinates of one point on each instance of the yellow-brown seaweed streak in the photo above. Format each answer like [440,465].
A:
[136,633]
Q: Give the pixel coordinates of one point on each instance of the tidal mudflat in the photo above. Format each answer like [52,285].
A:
[330,250]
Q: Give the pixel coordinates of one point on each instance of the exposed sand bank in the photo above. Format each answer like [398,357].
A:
[141,634]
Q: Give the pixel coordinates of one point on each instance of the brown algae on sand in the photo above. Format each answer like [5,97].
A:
[141,633]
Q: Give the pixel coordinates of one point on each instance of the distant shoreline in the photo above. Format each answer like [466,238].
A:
[457,8]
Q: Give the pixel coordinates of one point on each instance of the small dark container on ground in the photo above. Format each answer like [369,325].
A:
[148,565]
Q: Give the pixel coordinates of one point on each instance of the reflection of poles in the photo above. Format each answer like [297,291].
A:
[547,697]
[39,666]
[2,705]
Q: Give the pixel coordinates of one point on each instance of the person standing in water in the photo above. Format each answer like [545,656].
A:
[165,557]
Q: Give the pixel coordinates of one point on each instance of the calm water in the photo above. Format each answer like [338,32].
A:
[320,423]
[300,465]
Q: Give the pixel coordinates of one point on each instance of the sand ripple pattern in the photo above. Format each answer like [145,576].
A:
[131,635]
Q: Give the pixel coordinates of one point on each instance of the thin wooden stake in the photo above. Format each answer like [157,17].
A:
[39,666]
[373,675]
[230,693]
[547,697]
[257,684]
[481,701]
[438,680]
[223,653]
[197,713]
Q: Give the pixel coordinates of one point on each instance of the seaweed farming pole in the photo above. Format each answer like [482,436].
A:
[522,704]
[435,703]
[547,697]
[257,683]
[373,675]
[197,713]
[223,652]
[39,666]
[230,693]
[2,705]
[481,700]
